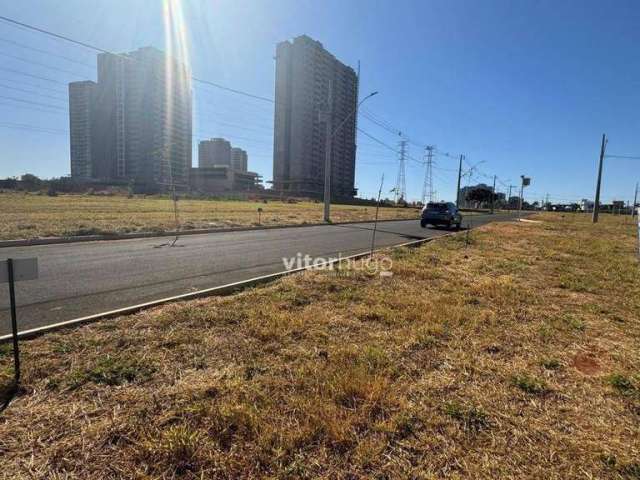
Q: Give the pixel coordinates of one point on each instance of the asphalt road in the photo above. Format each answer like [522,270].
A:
[80,279]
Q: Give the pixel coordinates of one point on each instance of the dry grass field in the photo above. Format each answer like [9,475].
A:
[515,356]
[32,216]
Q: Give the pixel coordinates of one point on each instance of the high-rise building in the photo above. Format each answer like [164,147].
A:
[239,160]
[308,80]
[81,95]
[216,151]
[140,120]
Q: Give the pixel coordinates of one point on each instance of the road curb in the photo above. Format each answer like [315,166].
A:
[203,231]
[208,292]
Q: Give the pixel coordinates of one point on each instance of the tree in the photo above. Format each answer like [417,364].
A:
[480,194]
[30,181]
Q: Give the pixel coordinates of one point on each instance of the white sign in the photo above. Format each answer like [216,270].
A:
[23,269]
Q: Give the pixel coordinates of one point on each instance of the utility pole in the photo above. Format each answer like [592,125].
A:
[493,195]
[596,206]
[401,185]
[328,143]
[635,202]
[427,187]
[459,178]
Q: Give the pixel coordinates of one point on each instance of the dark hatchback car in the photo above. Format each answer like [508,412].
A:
[441,214]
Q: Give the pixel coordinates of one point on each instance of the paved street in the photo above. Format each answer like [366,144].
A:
[79,279]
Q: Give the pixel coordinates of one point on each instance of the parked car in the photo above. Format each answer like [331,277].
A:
[441,214]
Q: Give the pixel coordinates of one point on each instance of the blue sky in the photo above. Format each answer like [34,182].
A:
[526,87]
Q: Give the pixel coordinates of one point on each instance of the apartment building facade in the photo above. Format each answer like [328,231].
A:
[141,124]
[81,101]
[310,80]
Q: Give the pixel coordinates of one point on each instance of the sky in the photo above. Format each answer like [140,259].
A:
[520,87]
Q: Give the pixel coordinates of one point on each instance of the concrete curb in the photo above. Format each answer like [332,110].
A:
[220,290]
[203,231]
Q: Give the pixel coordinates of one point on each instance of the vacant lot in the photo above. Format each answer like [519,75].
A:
[514,356]
[31,216]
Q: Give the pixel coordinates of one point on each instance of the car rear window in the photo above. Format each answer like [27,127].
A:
[437,207]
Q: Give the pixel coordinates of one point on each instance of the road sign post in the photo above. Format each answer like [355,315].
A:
[526,181]
[12,271]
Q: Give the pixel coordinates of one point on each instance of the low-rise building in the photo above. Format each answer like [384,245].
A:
[239,159]
[216,151]
[223,179]
[222,169]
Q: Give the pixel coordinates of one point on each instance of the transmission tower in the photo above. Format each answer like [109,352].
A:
[401,184]
[427,187]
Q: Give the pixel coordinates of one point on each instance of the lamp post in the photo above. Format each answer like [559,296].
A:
[330,133]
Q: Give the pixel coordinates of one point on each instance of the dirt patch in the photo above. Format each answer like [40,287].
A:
[586,363]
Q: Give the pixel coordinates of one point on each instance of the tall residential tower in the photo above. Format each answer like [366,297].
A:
[140,121]
[81,101]
[308,80]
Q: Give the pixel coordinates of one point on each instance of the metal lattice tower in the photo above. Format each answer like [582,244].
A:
[427,187]
[401,184]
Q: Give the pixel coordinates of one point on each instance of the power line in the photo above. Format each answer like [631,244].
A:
[380,124]
[52,34]
[102,50]
[18,72]
[43,65]
[36,109]
[56,107]
[22,83]
[377,140]
[31,92]
[46,52]
[22,126]
[233,90]
[629,157]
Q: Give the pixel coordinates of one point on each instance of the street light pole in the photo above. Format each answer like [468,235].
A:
[329,134]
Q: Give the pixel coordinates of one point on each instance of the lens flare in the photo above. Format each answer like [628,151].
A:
[177,73]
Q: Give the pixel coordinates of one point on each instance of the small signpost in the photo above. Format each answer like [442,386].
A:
[15,270]
[526,181]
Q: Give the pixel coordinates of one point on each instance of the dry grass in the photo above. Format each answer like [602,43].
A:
[32,216]
[514,357]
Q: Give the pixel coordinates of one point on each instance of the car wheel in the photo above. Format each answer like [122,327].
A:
[458,225]
[423,224]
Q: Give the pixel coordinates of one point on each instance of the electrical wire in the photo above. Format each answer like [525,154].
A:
[55,107]
[46,52]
